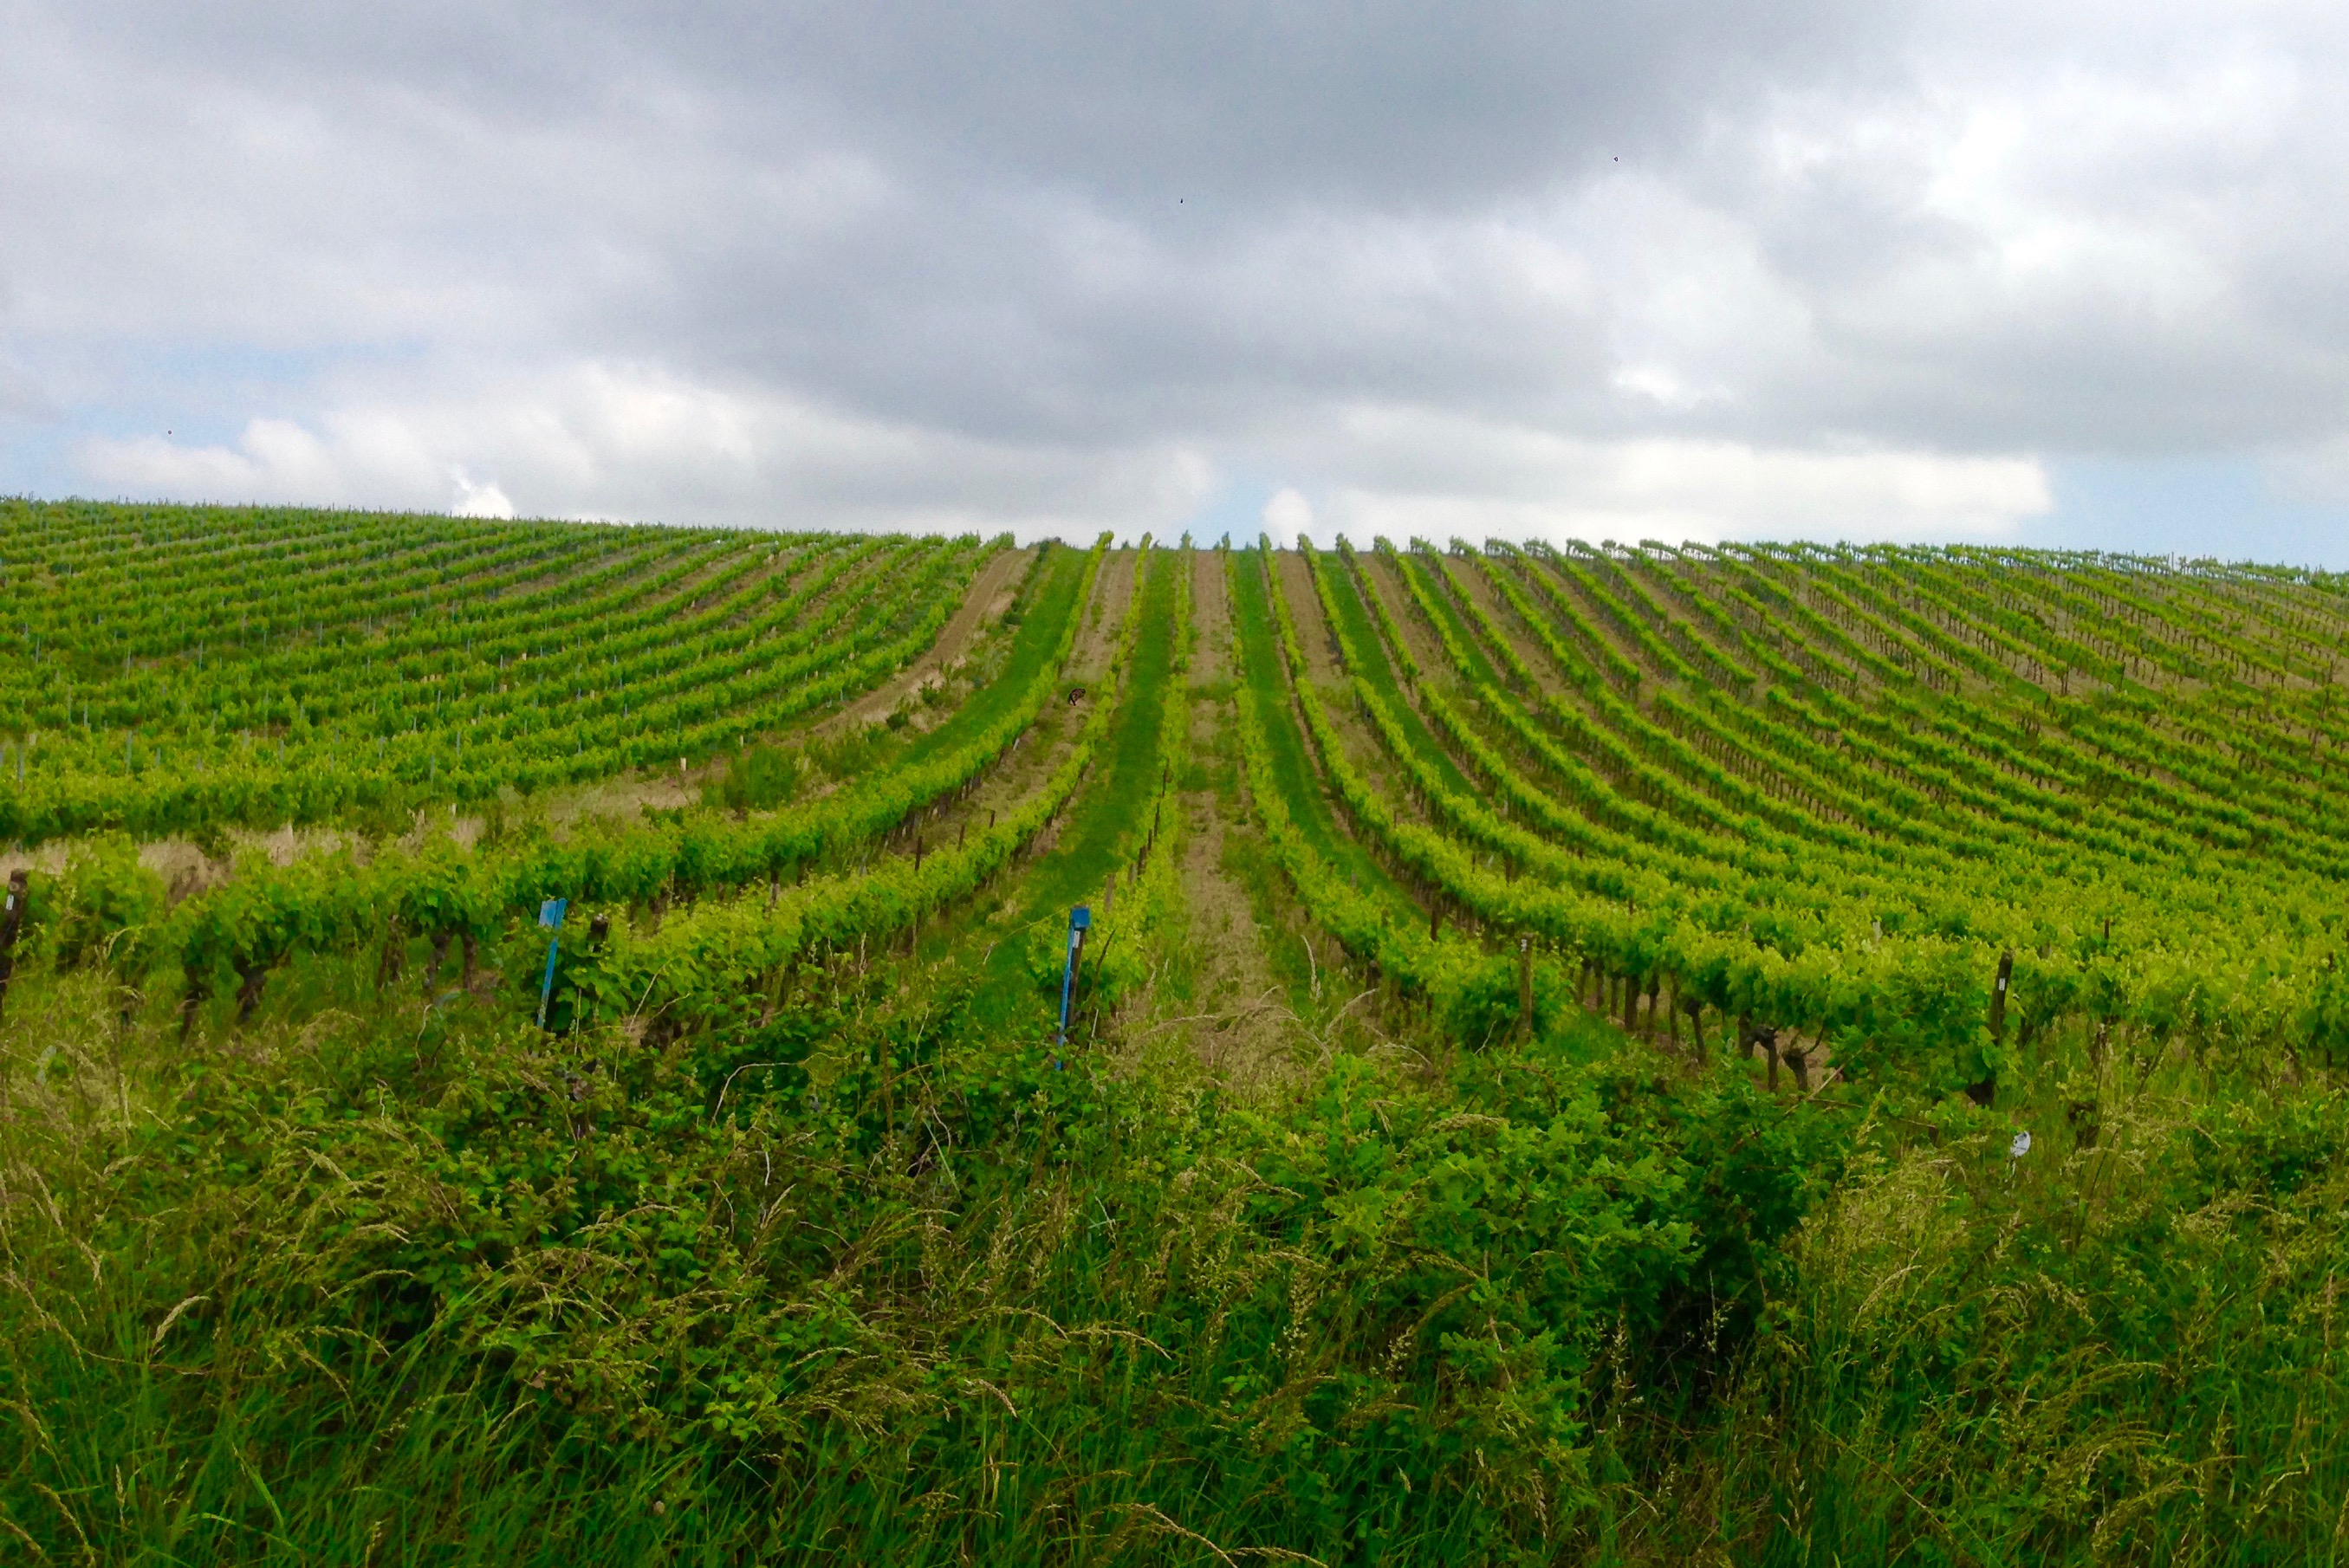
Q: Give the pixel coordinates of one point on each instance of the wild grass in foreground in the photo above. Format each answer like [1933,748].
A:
[871,1283]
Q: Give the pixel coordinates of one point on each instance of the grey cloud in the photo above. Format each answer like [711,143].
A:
[1033,260]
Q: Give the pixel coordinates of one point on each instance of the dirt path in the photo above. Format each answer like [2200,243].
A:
[1270,988]
[782,571]
[1097,639]
[1239,1024]
[1295,581]
[1033,757]
[1211,653]
[1617,640]
[1237,1021]
[1363,748]
[1435,663]
[1476,577]
[989,596]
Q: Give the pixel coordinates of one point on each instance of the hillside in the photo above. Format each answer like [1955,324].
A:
[541,1042]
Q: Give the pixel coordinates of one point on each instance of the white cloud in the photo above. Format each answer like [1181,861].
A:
[1287,515]
[484,499]
[1840,270]
[1439,479]
[626,440]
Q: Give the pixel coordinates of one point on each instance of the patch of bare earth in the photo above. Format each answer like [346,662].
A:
[1211,660]
[1238,1022]
[1097,637]
[990,594]
[1476,577]
[1295,579]
[1417,638]
[626,795]
[1616,638]
[1057,729]
[1364,748]
[1239,1025]
[1032,758]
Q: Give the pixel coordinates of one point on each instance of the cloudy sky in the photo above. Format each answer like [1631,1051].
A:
[2069,273]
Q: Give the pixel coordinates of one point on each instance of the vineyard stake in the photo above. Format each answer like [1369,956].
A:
[1985,1093]
[550,916]
[11,923]
[1081,919]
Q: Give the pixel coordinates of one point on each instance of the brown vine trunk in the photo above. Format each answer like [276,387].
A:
[1525,988]
[1985,1093]
[386,974]
[254,976]
[190,1006]
[11,922]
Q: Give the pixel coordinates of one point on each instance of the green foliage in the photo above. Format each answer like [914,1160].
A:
[744,1256]
[757,780]
[110,905]
[791,1236]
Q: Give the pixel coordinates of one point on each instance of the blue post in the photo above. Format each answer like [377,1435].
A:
[1080,918]
[550,915]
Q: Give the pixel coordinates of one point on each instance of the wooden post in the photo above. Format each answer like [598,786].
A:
[387,973]
[1525,988]
[254,975]
[12,921]
[1434,919]
[1672,1011]
[1630,1004]
[1696,1026]
[1985,1093]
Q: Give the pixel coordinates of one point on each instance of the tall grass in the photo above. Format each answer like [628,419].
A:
[368,1284]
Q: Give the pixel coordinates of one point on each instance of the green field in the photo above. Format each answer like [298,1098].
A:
[1755,1054]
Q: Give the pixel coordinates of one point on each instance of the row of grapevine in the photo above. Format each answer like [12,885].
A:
[2162,979]
[265,914]
[571,680]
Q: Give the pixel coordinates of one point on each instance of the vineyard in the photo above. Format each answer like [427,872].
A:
[533,1042]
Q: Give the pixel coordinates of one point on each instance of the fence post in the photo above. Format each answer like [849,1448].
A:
[1080,920]
[1985,1093]
[550,916]
[11,922]
[1525,988]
